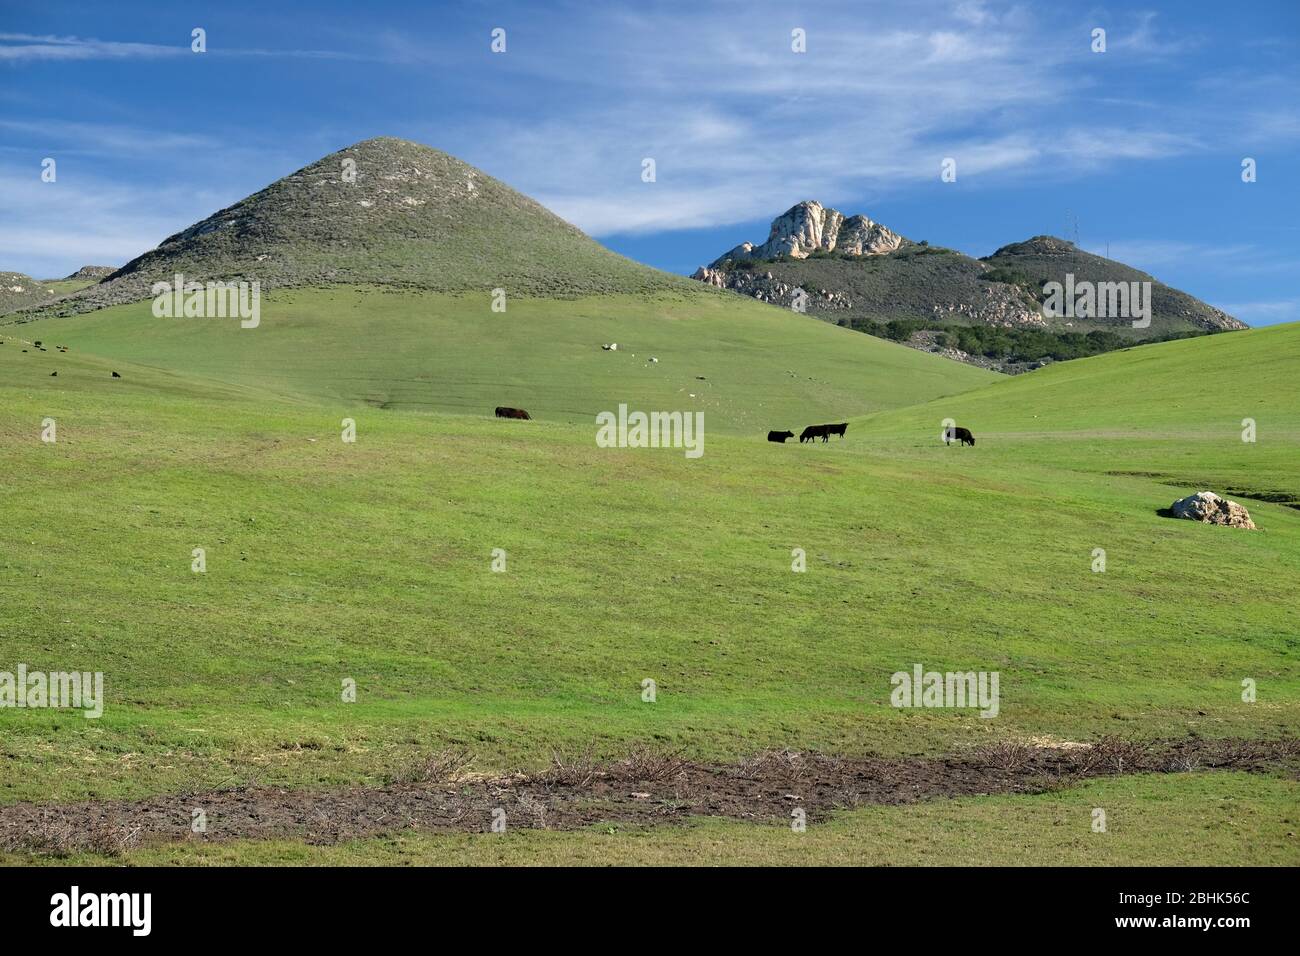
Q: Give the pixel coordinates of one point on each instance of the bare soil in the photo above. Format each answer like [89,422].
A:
[645,789]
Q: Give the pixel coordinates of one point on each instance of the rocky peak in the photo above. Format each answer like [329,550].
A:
[809,227]
[93,272]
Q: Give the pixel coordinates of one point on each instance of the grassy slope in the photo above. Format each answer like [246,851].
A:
[64,286]
[1174,411]
[1188,820]
[371,561]
[763,368]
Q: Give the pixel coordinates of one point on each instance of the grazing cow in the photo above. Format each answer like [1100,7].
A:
[963,435]
[812,433]
[115,375]
[839,429]
[504,412]
[779,437]
[52,374]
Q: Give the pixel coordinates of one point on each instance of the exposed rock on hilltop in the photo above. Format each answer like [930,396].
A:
[809,227]
[93,272]
[388,212]
[854,271]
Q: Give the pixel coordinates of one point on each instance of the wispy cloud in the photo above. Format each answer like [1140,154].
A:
[739,125]
[1265,313]
[17,47]
[871,108]
[88,219]
[26,46]
[1236,259]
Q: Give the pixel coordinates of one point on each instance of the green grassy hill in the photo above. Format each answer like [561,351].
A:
[372,561]
[18,291]
[1171,413]
[389,212]
[748,367]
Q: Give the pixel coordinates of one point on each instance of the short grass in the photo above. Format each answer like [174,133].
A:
[371,561]
[749,367]
[1176,413]
[1199,819]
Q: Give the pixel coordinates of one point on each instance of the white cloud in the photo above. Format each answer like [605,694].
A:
[83,219]
[18,47]
[1265,313]
[26,46]
[740,127]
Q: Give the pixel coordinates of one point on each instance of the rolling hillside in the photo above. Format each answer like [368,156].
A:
[371,561]
[18,291]
[749,368]
[329,561]
[386,212]
[859,273]
[379,289]
[1171,414]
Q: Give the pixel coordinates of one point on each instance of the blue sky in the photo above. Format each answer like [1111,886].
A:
[1141,144]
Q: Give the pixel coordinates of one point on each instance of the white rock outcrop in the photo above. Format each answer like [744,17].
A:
[1208,507]
[809,227]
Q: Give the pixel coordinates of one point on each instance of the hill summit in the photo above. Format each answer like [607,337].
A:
[385,211]
[856,272]
[809,227]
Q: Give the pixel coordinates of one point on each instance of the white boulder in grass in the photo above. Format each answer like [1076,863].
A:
[1208,507]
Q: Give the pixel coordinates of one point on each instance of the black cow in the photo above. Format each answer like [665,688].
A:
[504,412]
[813,432]
[115,375]
[779,436]
[839,429]
[963,435]
[52,374]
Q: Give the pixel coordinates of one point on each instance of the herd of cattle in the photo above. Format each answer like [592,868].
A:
[824,432]
[811,433]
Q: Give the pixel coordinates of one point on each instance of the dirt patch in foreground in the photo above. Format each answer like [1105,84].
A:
[643,790]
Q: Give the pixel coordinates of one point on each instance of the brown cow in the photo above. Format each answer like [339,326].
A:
[504,412]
